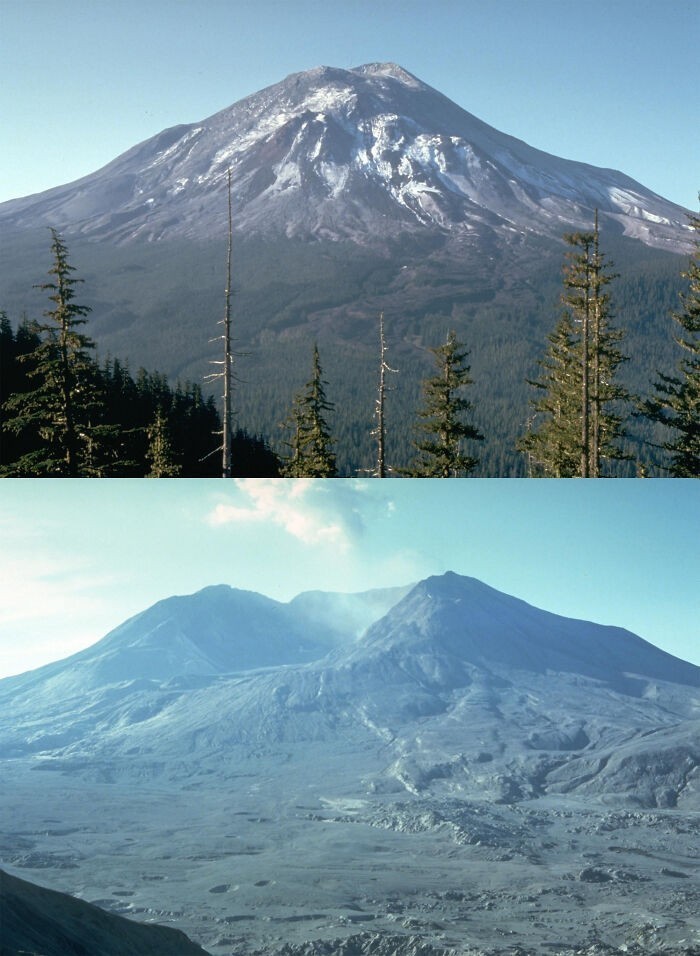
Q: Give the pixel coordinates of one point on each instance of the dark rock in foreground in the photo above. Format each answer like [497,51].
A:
[37,920]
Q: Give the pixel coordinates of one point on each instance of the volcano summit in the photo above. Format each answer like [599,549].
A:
[362,154]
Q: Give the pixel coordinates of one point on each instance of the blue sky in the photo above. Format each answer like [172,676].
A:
[609,82]
[79,557]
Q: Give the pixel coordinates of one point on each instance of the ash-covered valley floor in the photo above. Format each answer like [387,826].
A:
[270,861]
[467,775]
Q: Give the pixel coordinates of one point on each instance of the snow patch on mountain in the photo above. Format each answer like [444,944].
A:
[364,154]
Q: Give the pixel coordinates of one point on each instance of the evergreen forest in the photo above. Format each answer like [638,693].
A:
[611,390]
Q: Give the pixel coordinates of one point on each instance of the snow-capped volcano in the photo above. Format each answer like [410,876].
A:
[365,153]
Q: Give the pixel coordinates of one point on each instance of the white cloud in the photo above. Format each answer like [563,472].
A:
[53,600]
[314,511]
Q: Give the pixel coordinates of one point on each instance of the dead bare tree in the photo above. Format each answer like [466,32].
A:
[380,430]
[226,372]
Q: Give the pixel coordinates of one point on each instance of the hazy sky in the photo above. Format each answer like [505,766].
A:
[79,557]
[609,82]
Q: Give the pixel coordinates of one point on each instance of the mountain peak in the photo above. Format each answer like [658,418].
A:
[392,70]
[452,587]
[467,621]
[364,154]
[325,73]
[451,582]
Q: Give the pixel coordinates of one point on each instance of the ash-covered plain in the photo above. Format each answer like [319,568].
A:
[466,775]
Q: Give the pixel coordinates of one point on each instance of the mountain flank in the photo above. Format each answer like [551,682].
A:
[361,154]
[47,923]
[355,192]
[468,774]
[454,662]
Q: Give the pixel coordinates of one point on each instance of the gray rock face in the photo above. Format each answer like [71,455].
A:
[361,154]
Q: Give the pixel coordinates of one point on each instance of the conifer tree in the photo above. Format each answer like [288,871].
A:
[144,425]
[441,455]
[606,394]
[311,444]
[292,465]
[576,420]
[253,457]
[10,373]
[13,379]
[676,402]
[160,454]
[63,407]
[553,440]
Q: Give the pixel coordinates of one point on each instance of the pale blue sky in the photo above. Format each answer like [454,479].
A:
[609,82]
[79,557]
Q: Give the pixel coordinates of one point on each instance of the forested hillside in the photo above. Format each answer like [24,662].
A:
[143,426]
[158,305]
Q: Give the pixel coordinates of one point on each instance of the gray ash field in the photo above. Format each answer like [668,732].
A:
[470,775]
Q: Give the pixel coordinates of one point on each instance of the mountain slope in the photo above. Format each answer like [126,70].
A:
[474,624]
[363,154]
[479,690]
[355,192]
[469,771]
[190,639]
[453,671]
[42,921]
[217,630]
